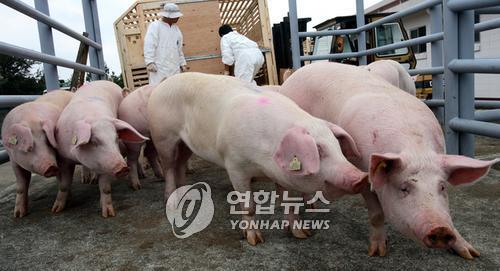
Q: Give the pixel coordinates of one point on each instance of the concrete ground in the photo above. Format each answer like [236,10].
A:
[140,237]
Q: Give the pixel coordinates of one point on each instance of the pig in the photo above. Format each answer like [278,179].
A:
[402,148]
[394,73]
[88,133]
[252,134]
[133,110]
[28,137]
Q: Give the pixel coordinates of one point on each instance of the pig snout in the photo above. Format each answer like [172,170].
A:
[347,180]
[439,237]
[50,171]
[359,181]
[350,179]
[120,170]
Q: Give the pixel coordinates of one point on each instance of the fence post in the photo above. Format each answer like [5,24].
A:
[88,15]
[294,33]
[360,21]
[97,33]
[436,14]
[466,80]
[451,110]
[47,47]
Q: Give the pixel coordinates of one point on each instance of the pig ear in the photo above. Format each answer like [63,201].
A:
[20,138]
[127,133]
[346,142]
[49,128]
[297,152]
[380,167]
[462,169]
[82,134]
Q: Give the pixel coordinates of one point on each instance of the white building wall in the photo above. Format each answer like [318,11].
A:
[486,85]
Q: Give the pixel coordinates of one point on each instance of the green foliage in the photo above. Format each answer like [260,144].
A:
[16,77]
[117,79]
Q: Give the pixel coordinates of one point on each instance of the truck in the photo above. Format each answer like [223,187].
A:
[384,34]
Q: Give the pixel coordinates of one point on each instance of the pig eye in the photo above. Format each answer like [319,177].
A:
[94,142]
[442,187]
[405,189]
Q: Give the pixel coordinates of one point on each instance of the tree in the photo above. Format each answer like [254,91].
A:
[117,79]
[16,77]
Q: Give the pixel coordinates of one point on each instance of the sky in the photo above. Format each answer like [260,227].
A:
[21,30]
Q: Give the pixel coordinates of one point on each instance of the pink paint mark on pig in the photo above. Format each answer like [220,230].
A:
[263,100]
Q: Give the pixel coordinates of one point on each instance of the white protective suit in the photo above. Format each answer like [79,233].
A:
[163,46]
[243,53]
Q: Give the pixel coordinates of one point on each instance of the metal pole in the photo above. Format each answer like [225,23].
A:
[10,101]
[42,17]
[47,47]
[97,32]
[436,14]
[476,127]
[450,42]
[13,50]
[89,28]
[360,21]
[487,115]
[294,33]
[466,80]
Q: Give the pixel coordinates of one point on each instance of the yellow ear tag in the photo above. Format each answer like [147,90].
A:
[381,165]
[295,164]
[74,140]
[13,140]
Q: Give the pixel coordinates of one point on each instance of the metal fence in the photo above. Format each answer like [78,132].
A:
[453,63]
[47,55]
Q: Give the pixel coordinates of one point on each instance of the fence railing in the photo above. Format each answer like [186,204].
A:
[452,58]
[47,55]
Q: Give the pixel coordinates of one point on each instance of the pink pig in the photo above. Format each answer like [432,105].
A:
[402,147]
[394,73]
[88,133]
[252,134]
[28,137]
[133,110]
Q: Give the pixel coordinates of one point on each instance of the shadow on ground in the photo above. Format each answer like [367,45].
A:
[140,237]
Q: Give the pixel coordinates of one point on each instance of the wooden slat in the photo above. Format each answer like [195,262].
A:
[233,11]
[267,40]
[239,12]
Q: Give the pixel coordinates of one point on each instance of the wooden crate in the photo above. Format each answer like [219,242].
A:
[199,26]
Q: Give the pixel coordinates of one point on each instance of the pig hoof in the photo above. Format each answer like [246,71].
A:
[19,211]
[253,236]
[377,248]
[301,233]
[58,206]
[89,180]
[464,250]
[136,185]
[108,211]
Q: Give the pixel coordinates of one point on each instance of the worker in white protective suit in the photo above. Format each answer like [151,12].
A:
[241,52]
[163,46]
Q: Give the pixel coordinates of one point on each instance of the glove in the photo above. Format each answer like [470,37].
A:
[151,67]
[184,68]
